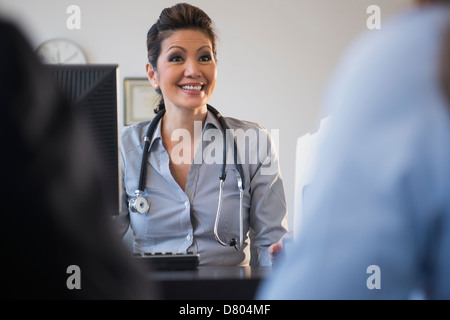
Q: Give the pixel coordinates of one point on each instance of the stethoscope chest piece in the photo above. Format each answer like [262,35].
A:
[139,204]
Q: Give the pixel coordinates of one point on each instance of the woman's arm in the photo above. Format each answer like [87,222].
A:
[268,205]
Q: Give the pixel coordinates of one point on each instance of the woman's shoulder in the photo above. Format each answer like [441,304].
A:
[234,123]
[132,134]
[135,128]
[248,128]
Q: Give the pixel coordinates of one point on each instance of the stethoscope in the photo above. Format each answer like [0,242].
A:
[140,204]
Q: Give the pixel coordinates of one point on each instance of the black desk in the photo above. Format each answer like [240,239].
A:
[211,283]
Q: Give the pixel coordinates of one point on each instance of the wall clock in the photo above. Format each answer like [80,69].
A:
[61,51]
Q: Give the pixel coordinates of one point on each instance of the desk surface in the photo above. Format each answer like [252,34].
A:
[210,283]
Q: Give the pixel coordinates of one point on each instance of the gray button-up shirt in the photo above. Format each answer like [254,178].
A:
[180,221]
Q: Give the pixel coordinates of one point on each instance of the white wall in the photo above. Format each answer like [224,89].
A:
[275,56]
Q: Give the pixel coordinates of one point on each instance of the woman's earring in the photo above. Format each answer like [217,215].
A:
[156,86]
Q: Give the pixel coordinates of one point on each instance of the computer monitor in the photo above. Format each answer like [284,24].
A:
[93,89]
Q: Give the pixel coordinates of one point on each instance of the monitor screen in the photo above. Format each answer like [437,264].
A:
[93,89]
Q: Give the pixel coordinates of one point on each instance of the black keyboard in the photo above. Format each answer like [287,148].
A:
[168,260]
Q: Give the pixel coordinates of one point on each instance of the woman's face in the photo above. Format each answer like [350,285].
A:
[186,70]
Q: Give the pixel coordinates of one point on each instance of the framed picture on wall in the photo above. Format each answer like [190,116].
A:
[140,100]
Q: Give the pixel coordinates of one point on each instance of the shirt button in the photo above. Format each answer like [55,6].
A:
[188,237]
[186,204]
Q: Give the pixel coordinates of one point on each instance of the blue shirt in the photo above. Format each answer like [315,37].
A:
[376,221]
[180,221]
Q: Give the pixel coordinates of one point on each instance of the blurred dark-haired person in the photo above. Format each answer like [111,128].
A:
[376,221]
[56,239]
[180,192]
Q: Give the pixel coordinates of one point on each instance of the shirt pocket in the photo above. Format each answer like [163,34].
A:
[139,224]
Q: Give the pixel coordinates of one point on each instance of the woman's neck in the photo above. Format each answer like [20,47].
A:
[181,151]
[177,118]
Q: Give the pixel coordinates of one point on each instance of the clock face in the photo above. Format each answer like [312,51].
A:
[61,51]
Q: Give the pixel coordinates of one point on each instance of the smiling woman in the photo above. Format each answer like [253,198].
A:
[184,19]
[172,203]
[186,70]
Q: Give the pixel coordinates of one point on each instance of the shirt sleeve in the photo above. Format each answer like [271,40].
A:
[122,220]
[268,205]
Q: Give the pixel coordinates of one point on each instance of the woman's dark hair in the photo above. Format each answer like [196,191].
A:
[179,17]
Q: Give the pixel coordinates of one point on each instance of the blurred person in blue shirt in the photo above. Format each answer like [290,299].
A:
[376,221]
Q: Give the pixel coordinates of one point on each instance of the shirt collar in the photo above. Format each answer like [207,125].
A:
[211,121]
[156,134]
